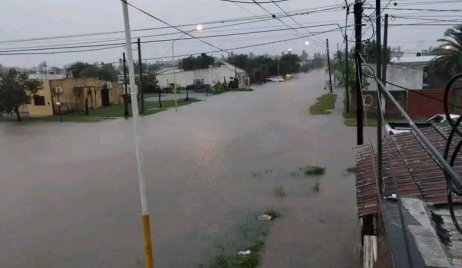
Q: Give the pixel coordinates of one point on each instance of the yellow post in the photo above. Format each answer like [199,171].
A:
[147,241]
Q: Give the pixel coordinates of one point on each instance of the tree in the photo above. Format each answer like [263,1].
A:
[194,63]
[304,57]
[370,54]
[84,70]
[107,72]
[16,89]
[449,59]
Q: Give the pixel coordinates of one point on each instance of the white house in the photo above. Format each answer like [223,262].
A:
[220,73]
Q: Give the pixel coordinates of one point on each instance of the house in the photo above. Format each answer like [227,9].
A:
[417,63]
[222,72]
[409,224]
[407,81]
[72,95]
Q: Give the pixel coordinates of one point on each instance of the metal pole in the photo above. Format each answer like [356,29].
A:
[174,75]
[378,53]
[279,58]
[126,87]
[385,51]
[328,63]
[139,156]
[140,87]
[358,10]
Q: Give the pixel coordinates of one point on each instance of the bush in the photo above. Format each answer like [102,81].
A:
[313,170]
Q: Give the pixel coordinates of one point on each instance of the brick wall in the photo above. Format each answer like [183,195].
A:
[370,101]
[425,103]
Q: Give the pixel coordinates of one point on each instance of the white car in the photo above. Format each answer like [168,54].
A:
[440,118]
[393,128]
[276,79]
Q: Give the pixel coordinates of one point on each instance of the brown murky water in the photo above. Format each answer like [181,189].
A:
[69,192]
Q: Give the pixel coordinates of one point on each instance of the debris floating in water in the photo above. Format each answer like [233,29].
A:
[265,217]
[245,252]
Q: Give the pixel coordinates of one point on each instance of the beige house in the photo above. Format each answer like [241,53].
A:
[73,95]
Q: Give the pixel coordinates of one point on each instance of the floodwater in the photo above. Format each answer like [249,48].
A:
[69,192]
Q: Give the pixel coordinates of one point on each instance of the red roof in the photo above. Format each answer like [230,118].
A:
[406,162]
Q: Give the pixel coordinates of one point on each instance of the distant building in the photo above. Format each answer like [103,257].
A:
[221,73]
[415,61]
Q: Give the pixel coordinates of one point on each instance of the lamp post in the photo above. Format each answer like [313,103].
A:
[198,28]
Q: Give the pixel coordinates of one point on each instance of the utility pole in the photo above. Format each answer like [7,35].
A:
[139,156]
[328,63]
[126,87]
[174,75]
[347,76]
[358,11]
[140,87]
[378,54]
[339,57]
[385,51]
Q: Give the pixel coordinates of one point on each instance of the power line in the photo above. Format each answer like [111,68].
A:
[115,45]
[296,22]
[292,13]
[158,40]
[247,2]
[422,9]
[250,46]
[274,16]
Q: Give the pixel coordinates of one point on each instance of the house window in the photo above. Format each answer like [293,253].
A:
[39,100]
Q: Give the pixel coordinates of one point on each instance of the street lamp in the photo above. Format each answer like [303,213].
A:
[289,50]
[198,28]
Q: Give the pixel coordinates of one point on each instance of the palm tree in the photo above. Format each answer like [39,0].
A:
[449,59]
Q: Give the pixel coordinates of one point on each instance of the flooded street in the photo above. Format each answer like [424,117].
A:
[69,192]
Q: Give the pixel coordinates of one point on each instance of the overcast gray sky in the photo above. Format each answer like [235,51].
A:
[22,19]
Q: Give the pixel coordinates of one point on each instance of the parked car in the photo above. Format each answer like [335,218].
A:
[393,128]
[275,79]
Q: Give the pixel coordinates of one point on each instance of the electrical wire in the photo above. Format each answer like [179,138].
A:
[296,22]
[158,40]
[274,16]
[239,19]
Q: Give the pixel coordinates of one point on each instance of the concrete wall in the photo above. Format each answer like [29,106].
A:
[211,77]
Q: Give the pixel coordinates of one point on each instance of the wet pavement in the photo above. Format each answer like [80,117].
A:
[69,192]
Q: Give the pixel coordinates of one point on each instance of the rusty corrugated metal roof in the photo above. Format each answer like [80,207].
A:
[407,162]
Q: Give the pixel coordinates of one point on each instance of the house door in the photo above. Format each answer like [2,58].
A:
[105,97]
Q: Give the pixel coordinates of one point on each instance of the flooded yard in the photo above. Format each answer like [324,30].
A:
[69,192]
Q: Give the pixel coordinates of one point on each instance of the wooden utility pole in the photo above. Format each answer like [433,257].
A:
[378,55]
[385,51]
[347,76]
[126,87]
[358,11]
[140,86]
[328,64]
